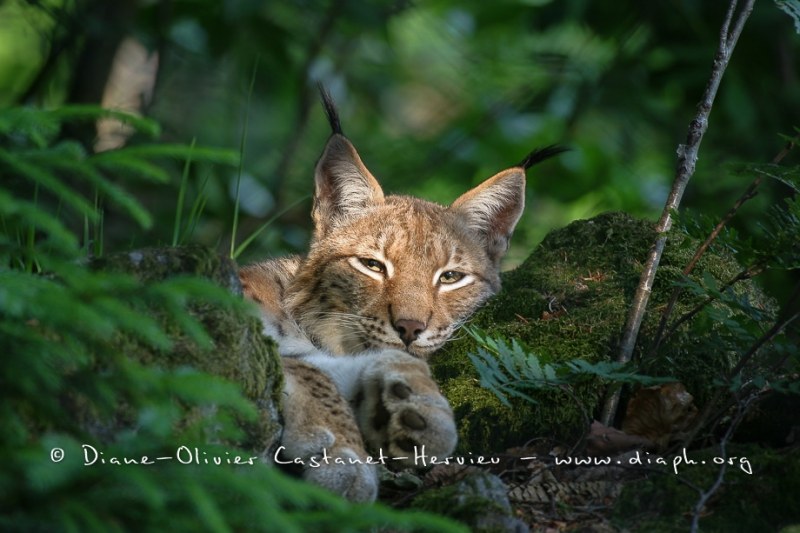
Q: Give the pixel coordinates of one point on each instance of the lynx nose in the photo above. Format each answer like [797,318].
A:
[409,330]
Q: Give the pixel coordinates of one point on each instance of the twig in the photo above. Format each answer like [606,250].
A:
[687,160]
[716,419]
[773,332]
[767,337]
[705,496]
[749,193]
[748,273]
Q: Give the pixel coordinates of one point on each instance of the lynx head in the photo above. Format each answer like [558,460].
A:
[388,271]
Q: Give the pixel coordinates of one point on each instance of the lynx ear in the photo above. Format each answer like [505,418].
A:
[493,208]
[344,186]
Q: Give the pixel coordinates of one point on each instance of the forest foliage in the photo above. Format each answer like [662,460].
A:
[436,95]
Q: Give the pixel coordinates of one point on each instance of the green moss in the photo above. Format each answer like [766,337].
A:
[155,264]
[569,300]
[240,353]
[765,500]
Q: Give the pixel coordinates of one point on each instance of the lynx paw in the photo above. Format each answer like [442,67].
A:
[400,410]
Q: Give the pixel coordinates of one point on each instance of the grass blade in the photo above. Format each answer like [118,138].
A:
[176,228]
[242,247]
[241,160]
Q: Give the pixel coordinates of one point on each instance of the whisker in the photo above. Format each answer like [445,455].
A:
[331,313]
[456,337]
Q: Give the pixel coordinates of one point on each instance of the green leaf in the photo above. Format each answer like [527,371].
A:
[789,176]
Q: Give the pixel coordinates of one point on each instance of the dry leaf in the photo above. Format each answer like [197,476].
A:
[660,413]
[606,441]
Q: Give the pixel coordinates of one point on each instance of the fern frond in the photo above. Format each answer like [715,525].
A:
[124,164]
[29,214]
[510,369]
[115,193]
[43,177]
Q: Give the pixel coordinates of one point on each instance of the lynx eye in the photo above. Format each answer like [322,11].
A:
[373,264]
[450,276]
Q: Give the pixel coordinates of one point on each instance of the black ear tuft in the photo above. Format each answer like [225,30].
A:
[540,154]
[330,109]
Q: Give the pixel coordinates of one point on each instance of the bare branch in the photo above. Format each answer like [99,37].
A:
[726,23]
[749,193]
[766,338]
[742,410]
[687,159]
[748,273]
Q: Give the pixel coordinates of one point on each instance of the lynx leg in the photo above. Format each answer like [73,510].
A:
[321,433]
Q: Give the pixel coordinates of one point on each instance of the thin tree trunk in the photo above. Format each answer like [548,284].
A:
[749,193]
[687,159]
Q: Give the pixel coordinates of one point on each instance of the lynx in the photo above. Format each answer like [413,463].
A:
[386,282]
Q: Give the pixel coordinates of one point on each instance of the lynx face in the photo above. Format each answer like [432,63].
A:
[395,271]
[404,274]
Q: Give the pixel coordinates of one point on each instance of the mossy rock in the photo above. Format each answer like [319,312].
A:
[479,500]
[569,300]
[240,353]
